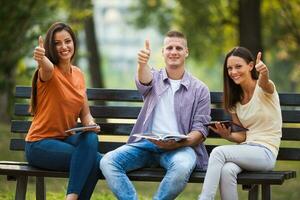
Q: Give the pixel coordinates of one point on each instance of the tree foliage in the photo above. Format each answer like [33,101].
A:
[208,24]
[281,36]
[21,22]
[214,26]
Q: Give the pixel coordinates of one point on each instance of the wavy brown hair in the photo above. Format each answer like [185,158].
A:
[52,54]
[233,92]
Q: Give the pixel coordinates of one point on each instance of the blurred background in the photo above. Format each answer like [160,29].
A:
[111,32]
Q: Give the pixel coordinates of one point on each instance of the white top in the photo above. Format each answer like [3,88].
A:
[164,118]
[262,116]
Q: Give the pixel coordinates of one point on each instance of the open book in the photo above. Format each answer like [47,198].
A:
[82,128]
[161,137]
[234,127]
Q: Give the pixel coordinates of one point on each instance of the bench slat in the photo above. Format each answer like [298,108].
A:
[104,147]
[123,129]
[286,99]
[19,126]
[131,112]
[114,95]
[109,94]
[121,112]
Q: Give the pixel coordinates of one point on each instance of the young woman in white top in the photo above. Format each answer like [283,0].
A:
[252,100]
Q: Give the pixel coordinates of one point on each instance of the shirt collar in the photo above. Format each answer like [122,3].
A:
[185,81]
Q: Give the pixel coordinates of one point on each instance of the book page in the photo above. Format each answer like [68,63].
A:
[160,137]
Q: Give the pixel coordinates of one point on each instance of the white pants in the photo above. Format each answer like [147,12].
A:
[227,161]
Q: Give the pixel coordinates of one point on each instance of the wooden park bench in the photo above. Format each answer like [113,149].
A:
[115,110]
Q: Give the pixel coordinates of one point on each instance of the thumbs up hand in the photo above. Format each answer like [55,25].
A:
[260,67]
[39,51]
[263,78]
[144,54]
[45,66]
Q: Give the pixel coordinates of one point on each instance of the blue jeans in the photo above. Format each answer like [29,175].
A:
[77,154]
[178,163]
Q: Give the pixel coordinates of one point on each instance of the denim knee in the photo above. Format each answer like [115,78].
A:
[182,171]
[107,163]
[91,139]
[91,136]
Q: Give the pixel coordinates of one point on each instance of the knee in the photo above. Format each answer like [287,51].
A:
[182,171]
[107,162]
[228,171]
[216,152]
[91,138]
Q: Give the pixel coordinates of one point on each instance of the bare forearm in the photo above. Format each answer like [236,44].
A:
[144,74]
[85,115]
[265,84]
[45,69]
[195,138]
[237,137]
[87,120]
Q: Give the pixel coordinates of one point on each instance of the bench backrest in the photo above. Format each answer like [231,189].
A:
[117,109]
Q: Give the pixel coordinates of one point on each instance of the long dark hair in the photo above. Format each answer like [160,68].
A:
[233,92]
[52,54]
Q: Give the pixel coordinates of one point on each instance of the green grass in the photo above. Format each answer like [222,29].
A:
[56,187]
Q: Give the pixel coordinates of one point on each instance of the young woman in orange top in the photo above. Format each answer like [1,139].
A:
[58,100]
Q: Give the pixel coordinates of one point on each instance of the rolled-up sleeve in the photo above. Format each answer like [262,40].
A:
[202,112]
[142,88]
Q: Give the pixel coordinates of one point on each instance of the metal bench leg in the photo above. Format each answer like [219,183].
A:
[40,188]
[253,193]
[265,192]
[21,188]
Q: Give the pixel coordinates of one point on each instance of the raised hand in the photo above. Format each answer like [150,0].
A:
[45,66]
[260,67]
[144,54]
[39,51]
[263,78]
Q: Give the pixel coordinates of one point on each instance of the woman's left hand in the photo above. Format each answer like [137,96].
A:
[221,130]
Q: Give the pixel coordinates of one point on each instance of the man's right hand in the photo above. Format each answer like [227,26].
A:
[144,55]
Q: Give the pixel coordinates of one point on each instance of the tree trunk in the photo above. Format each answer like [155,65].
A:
[250,25]
[6,96]
[94,57]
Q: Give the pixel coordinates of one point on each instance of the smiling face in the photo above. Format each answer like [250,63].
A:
[64,45]
[175,52]
[238,69]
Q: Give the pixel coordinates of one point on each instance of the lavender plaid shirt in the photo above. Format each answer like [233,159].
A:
[192,108]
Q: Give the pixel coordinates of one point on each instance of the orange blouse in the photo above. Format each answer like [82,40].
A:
[59,103]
